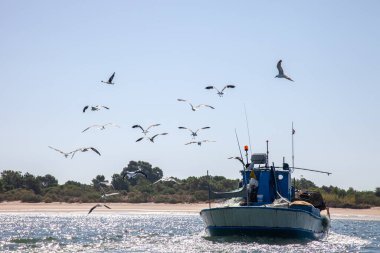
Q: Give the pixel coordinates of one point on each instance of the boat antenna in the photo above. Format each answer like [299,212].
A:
[209,191]
[241,154]
[249,136]
[245,174]
[266,164]
[293,132]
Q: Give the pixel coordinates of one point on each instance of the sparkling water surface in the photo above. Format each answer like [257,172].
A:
[125,232]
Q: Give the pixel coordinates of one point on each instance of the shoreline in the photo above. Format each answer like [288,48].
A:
[149,208]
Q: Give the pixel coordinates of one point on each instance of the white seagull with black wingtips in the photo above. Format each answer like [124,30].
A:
[194,133]
[198,142]
[145,131]
[95,107]
[101,127]
[220,93]
[85,150]
[195,108]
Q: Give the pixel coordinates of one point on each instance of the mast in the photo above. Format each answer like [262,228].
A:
[266,164]
[293,132]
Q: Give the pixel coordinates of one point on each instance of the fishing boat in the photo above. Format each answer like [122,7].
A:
[271,206]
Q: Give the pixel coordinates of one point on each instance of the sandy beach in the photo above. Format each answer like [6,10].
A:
[17,207]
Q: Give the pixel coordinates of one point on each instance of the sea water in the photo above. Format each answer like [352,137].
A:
[125,232]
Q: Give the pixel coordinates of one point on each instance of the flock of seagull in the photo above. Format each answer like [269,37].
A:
[145,131]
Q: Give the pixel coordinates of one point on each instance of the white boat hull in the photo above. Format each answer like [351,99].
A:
[260,220]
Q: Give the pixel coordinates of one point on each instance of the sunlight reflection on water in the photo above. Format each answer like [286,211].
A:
[163,233]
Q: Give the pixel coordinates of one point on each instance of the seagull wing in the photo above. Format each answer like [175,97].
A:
[142,173]
[105,107]
[279,67]
[138,126]
[57,150]
[191,131]
[152,126]
[95,150]
[191,142]
[112,194]
[139,139]
[111,77]
[212,87]
[201,129]
[287,77]
[228,86]
[92,208]
[237,158]
[203,105]
[85,108]
[181,100]
[90,127]
[107,206]
[154,136]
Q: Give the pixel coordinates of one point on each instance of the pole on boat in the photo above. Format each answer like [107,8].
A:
[266,164]
[245,174]
[320,171]
[293,132]
[249,136]
[209,191]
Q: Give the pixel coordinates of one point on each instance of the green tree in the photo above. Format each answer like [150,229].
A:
[31,183]
[377,192]
[11,179]
[153,174]
[47,181]
[97,180]
[119,183]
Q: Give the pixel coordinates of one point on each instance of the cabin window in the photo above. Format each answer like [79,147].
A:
[280,177]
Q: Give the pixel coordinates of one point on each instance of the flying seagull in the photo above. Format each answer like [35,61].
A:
[281,72]
[97,205]
[110,79]
[145,131]
[150,138]
[101,127]
[66,154]
[132,174]
[85,150]
[220,93]
[195,108]
[198,142]
[95,107]
[194,133]
[238,158]
[167,179]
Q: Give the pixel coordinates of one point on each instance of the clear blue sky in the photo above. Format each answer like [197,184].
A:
[54,54]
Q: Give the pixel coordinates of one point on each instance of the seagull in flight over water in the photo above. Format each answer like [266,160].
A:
[101,127]
[97,205]
[110,79]
[95,108]
[198,142]
[150,138]
[85,150]
[66,154]
[145,131]
[220,93]
[281,72]
[194,133]
[195,108]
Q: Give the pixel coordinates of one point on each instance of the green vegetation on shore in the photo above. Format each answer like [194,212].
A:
[29,188]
